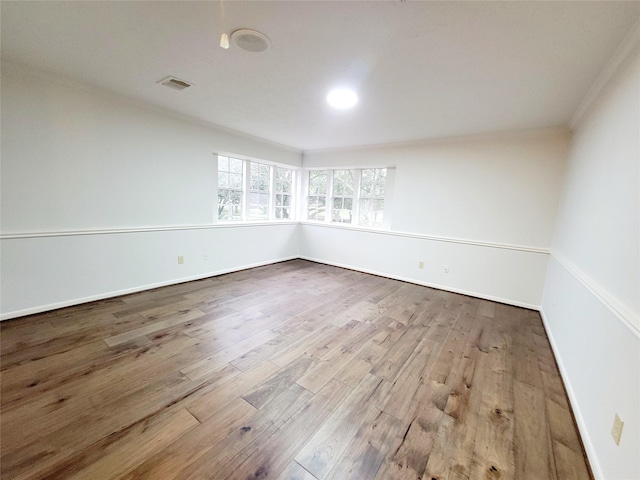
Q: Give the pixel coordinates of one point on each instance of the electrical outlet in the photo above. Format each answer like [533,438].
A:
[420,265]
[205,257]
[180,259]
[445,268]
[616,430]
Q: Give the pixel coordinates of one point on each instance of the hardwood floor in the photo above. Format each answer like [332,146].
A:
[290,371]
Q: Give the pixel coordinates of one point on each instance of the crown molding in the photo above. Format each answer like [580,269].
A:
[614,68]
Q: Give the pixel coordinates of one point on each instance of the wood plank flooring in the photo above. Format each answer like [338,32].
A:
[291,371]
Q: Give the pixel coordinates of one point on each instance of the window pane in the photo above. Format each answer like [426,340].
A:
[286,200]
[371,212]
[223,179]
[229,205]
[286,179]
[343,182]
[259,177]
[381,179]
[235,181]
[229,188]
[316,207]
[235,165]
[372,190]
[223,200]
[321,207]
[283,180]
[366,182]
[258,206]
[223,164]
[317,182]
[312,208]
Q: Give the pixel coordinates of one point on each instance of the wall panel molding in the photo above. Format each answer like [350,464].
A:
[477,243]
[622,313]
[168,228]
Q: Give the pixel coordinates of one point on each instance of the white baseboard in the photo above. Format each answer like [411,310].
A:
[575,406]
[425,284]
[127,291]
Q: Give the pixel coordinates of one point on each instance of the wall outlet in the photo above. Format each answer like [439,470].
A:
[445,268]
[420,265]
[616,430]
[205,257]
[180,259]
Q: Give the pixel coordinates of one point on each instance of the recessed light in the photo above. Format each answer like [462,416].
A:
[342,98]
[250,40]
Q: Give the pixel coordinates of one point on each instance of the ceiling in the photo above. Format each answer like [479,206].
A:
[421,69]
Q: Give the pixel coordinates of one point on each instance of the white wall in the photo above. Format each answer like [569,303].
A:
[75,158]
[592,291]
[495,273]
[484,206]
[46,272]
[78,159]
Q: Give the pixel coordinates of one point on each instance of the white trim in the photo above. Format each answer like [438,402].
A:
[503,246]
[127,291]
[626,316]
[264,161]
[507,134]
[423,284]
[110,231]
[614,68]
[342,166]
[575,405]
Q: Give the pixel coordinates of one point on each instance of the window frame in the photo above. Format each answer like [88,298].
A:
[275,192]
[246,191]
[372,196]
[343,197]
[229,188]
[308,194]
[328,219]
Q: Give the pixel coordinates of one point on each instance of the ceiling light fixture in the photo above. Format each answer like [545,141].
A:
[342,98]
[250,40]
[224,41]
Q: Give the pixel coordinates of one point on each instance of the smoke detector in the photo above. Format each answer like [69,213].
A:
[250,40]
[175,83]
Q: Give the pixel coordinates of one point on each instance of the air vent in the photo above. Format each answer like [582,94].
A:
[175,83]
[250,40]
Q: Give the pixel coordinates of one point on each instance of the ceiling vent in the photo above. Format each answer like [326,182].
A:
[250,40]
[175,83]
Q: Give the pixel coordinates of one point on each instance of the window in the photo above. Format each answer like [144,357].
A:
[356,196]
[372,187]
[259,181]
[249,190]
[342,196]
[317,196]
[284,192]
[230,182]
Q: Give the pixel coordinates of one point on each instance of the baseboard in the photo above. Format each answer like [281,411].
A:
[127,291]
[118,293]
[425,284]
[575,406]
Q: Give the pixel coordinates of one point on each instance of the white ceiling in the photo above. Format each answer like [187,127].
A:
[422,69]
